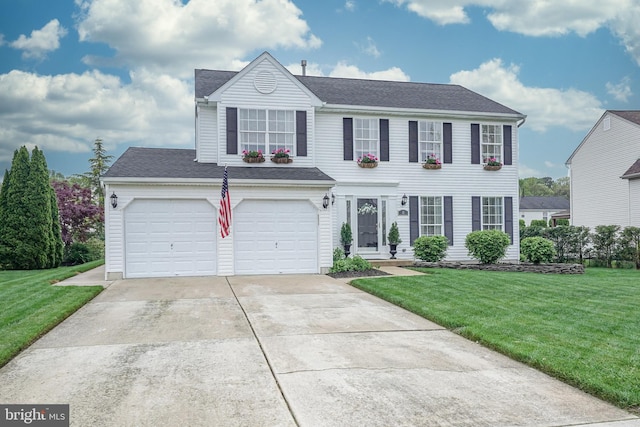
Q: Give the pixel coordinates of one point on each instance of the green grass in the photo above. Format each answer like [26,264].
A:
[31,306]
[582,329]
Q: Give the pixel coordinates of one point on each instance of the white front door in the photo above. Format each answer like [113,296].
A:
[275,237]
[170,238]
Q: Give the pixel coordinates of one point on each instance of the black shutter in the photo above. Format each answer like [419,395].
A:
[475,144]
[506,143]
[413,141]
[347,138]
[448,219]
[384,140]
[476,214]
[447,143]
[232,130]
[508,217]
[301,133]
[414,220]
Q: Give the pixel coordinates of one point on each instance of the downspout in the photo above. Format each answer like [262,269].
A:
[524,119]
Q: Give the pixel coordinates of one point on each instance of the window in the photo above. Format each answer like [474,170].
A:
[365,137]
[430,139]
[492,213]
[266,130]
[491,143]
[430,216]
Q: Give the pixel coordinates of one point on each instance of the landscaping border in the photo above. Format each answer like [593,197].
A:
[556,268]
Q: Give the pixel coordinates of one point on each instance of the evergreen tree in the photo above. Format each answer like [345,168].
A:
[3,210]
[39,235]
[13,253]
[99,164]
[58,245]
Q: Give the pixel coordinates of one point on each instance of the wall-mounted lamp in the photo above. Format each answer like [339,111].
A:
[325,201]
[404,199]
[114,200]
[333,198]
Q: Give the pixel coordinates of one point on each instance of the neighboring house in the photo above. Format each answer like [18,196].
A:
[287,217]
[605,172]
[541,207]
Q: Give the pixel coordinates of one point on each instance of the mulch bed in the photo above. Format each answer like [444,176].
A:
[365,273]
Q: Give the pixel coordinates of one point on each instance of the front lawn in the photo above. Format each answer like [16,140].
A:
[31,306]
[582,329]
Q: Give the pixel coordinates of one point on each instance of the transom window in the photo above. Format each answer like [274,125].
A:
[430,139]
[491,143]
[492,213]
[430,216]
[366,137]
[266,130]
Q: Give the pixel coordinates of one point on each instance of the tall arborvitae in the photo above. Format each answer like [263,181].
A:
[39,235]
[3,211]
[14,254]
[57,246]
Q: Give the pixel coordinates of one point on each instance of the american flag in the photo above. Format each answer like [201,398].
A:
[224,216]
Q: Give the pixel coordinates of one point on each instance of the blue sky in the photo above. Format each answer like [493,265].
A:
[73,71]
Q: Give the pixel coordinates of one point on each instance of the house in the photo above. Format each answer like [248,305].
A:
[541,207]
[605,172]
[286,217]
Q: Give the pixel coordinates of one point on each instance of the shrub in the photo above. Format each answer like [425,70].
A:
[430,248]
[562,221]
[345,234]
[523,224]
[538,223]
[394,234]
[537,250]
[532,231]
[77,253]
[338,254]
[356,263]
[488,246]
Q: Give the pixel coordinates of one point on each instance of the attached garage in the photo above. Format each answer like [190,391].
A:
[166,238]
[275,237]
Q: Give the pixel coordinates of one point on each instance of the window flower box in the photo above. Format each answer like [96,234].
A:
[368,161]
[492,164]
[432,162]
[281,155]
[252,156]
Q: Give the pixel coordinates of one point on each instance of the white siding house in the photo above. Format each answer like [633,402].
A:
[541,207]
[286,218]
[605,172]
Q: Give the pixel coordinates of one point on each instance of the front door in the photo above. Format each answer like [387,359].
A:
[368,230]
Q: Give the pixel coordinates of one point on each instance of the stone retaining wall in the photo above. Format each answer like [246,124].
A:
[522,267]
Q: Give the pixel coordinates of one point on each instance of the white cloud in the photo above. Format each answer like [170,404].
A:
[545,107]
[171,37]
[525,171]
[342,69]
[66,112]
[350,5]
[542,17]
[370,48]
[621,91]
[41,42]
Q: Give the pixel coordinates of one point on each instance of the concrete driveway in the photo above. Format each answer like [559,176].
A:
[279,351]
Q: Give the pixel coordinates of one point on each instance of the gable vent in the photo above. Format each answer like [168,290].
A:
[265,82]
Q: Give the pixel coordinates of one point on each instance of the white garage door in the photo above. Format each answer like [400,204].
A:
[170,238]
[275,237]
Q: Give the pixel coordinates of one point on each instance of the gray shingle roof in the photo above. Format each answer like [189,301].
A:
[633,171]
[631,115]
[544,203]
[139,162]
[375,93]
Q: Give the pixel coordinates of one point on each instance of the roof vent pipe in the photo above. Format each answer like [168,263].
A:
[303,63]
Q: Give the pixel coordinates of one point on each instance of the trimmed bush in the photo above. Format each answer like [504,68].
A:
[430,248]
[537,250]
[356,263]
[562,221]
[487,246]
[338,254]
[345,234]
[538,223]
[522,223]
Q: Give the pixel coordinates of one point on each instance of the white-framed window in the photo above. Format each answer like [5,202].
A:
[431,218]
[366,137]
[430,139]
[266,130]
[492,213]
[491,143]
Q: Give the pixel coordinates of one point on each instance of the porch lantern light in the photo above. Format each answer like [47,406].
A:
[404,199]
[325,201]
[114,200]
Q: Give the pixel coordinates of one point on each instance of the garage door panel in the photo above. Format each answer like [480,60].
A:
[275,237]
[170,238]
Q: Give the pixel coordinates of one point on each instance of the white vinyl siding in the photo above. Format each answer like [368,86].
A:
[366,137]
[491,143]
[430,140]
[492,213]
[431,218]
